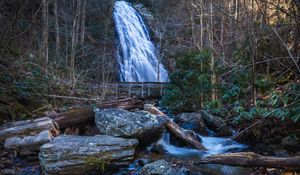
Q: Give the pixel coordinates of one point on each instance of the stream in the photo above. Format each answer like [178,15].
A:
[182,156]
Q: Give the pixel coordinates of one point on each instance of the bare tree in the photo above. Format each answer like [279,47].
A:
[57,39]
[74,40]
[44,45]
[82,28]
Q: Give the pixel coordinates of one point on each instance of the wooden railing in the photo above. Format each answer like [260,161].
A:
[131,89]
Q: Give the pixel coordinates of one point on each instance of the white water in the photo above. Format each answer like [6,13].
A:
[214,145]
[136,54]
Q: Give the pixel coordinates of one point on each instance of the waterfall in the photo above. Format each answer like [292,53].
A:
[136,54]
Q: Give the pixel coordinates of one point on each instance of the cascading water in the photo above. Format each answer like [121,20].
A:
[214,145]
[136,54]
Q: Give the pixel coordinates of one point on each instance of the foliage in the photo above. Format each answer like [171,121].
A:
[189,83]
[22,82]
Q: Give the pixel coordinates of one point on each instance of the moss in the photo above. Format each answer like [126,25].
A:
[98,162]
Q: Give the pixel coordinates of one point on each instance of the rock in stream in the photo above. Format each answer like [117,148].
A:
[121,123]
[191,121]
[80,154]
[159,167]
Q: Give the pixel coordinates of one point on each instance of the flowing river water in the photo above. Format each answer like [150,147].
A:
[184,156]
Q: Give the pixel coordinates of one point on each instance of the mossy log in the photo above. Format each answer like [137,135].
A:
[250,159]
[86,113]
[186,136]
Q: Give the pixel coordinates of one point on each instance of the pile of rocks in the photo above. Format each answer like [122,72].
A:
[120,133]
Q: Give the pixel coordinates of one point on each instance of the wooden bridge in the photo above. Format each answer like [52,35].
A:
[130,89]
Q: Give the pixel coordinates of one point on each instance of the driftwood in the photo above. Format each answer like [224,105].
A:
[184,135]
[250,159]
[26,128]
[28,143]
[28,135]
[86,113]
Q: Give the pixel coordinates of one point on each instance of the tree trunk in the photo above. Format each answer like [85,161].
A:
[57,40]
[253,54]
[212,62]
[82,28]
[44,45]
[74,40]
[86,113]
[186,136]
[250,159]
[26,127]
[296,38]
[29,144]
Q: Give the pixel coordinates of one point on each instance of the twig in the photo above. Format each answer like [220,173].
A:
[4,154]
[287,48]
[246,129]
[73,98]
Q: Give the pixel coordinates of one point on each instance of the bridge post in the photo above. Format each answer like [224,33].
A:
[116,90]
[129,89]
[148,85]
[161,89]
[142,89]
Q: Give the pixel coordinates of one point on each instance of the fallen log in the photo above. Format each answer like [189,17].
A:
[86,113]
[27,127]
[250,159]
[28,144]
[187,136]
[27,136]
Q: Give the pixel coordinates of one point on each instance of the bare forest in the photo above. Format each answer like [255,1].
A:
[159,86]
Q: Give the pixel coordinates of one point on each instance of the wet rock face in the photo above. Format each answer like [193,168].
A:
[122,123]
[215,123]
[199,122]
[191,121]
[160,167]
[81,154]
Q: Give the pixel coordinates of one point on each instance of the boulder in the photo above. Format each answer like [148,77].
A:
[215,123]
[82,154]
[191,121]
[159,167]
[121,123]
